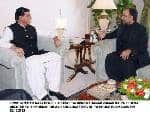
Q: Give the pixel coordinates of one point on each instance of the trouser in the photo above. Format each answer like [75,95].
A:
[44,69]
[119,69]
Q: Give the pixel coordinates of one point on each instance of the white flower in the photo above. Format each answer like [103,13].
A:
[124,97]
[139,79]
[146,96]
[139,86]
[126,80]
[147,93]
[132,91]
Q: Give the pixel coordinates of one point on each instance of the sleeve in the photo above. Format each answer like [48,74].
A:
[143,43]
[139,43]
[112,35]
[7,36]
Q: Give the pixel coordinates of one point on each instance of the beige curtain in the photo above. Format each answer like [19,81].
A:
[145,17]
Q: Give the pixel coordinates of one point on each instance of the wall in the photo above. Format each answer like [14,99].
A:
[45,13]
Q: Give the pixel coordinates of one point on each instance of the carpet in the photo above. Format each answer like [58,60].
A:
[96,92]
[82,95]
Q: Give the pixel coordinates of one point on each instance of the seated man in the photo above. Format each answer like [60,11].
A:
[21,38]
[132,43]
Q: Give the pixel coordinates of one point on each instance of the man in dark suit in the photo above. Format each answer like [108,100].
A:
[131,47]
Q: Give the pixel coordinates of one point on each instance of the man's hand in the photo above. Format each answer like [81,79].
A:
[101,34]
[125,54]
[18,51]
[57,41]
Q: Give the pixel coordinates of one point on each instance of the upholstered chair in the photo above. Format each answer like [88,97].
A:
[12,67]
[104,47]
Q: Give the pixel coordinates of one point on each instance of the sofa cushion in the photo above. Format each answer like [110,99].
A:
[9,59]
[144,72]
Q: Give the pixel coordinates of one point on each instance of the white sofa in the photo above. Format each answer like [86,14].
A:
[104,47]
[12,73]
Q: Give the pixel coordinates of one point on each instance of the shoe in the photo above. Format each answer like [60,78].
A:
[46,98]
[58,95]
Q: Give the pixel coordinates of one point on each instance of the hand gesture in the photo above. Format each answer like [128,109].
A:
[101,34]
[18,51]
[125,54]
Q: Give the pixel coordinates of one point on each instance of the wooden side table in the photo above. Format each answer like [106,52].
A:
[81,61]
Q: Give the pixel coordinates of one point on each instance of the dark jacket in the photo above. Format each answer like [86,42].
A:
[132,37]
[25,38]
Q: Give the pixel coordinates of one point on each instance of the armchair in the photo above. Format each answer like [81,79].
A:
[102,48]
[12,73]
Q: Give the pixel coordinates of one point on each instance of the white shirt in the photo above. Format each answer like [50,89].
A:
[7,36]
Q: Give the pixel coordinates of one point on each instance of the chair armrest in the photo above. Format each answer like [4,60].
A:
[101,49]
[105,46]
[63,48]
[47,44]
[144,72]
[9,59]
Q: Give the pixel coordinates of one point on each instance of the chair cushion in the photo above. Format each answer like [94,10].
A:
[144,72]
[9,59]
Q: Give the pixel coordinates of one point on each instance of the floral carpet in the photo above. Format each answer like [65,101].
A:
[86,94]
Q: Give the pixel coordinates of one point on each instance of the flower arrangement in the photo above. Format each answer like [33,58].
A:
[135,88]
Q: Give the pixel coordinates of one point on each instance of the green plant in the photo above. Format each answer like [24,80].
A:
[120,4]
[123,4]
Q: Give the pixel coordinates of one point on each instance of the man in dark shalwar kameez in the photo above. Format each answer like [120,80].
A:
[131,47]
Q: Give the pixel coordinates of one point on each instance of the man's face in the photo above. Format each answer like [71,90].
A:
[126,17]
[26,18]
